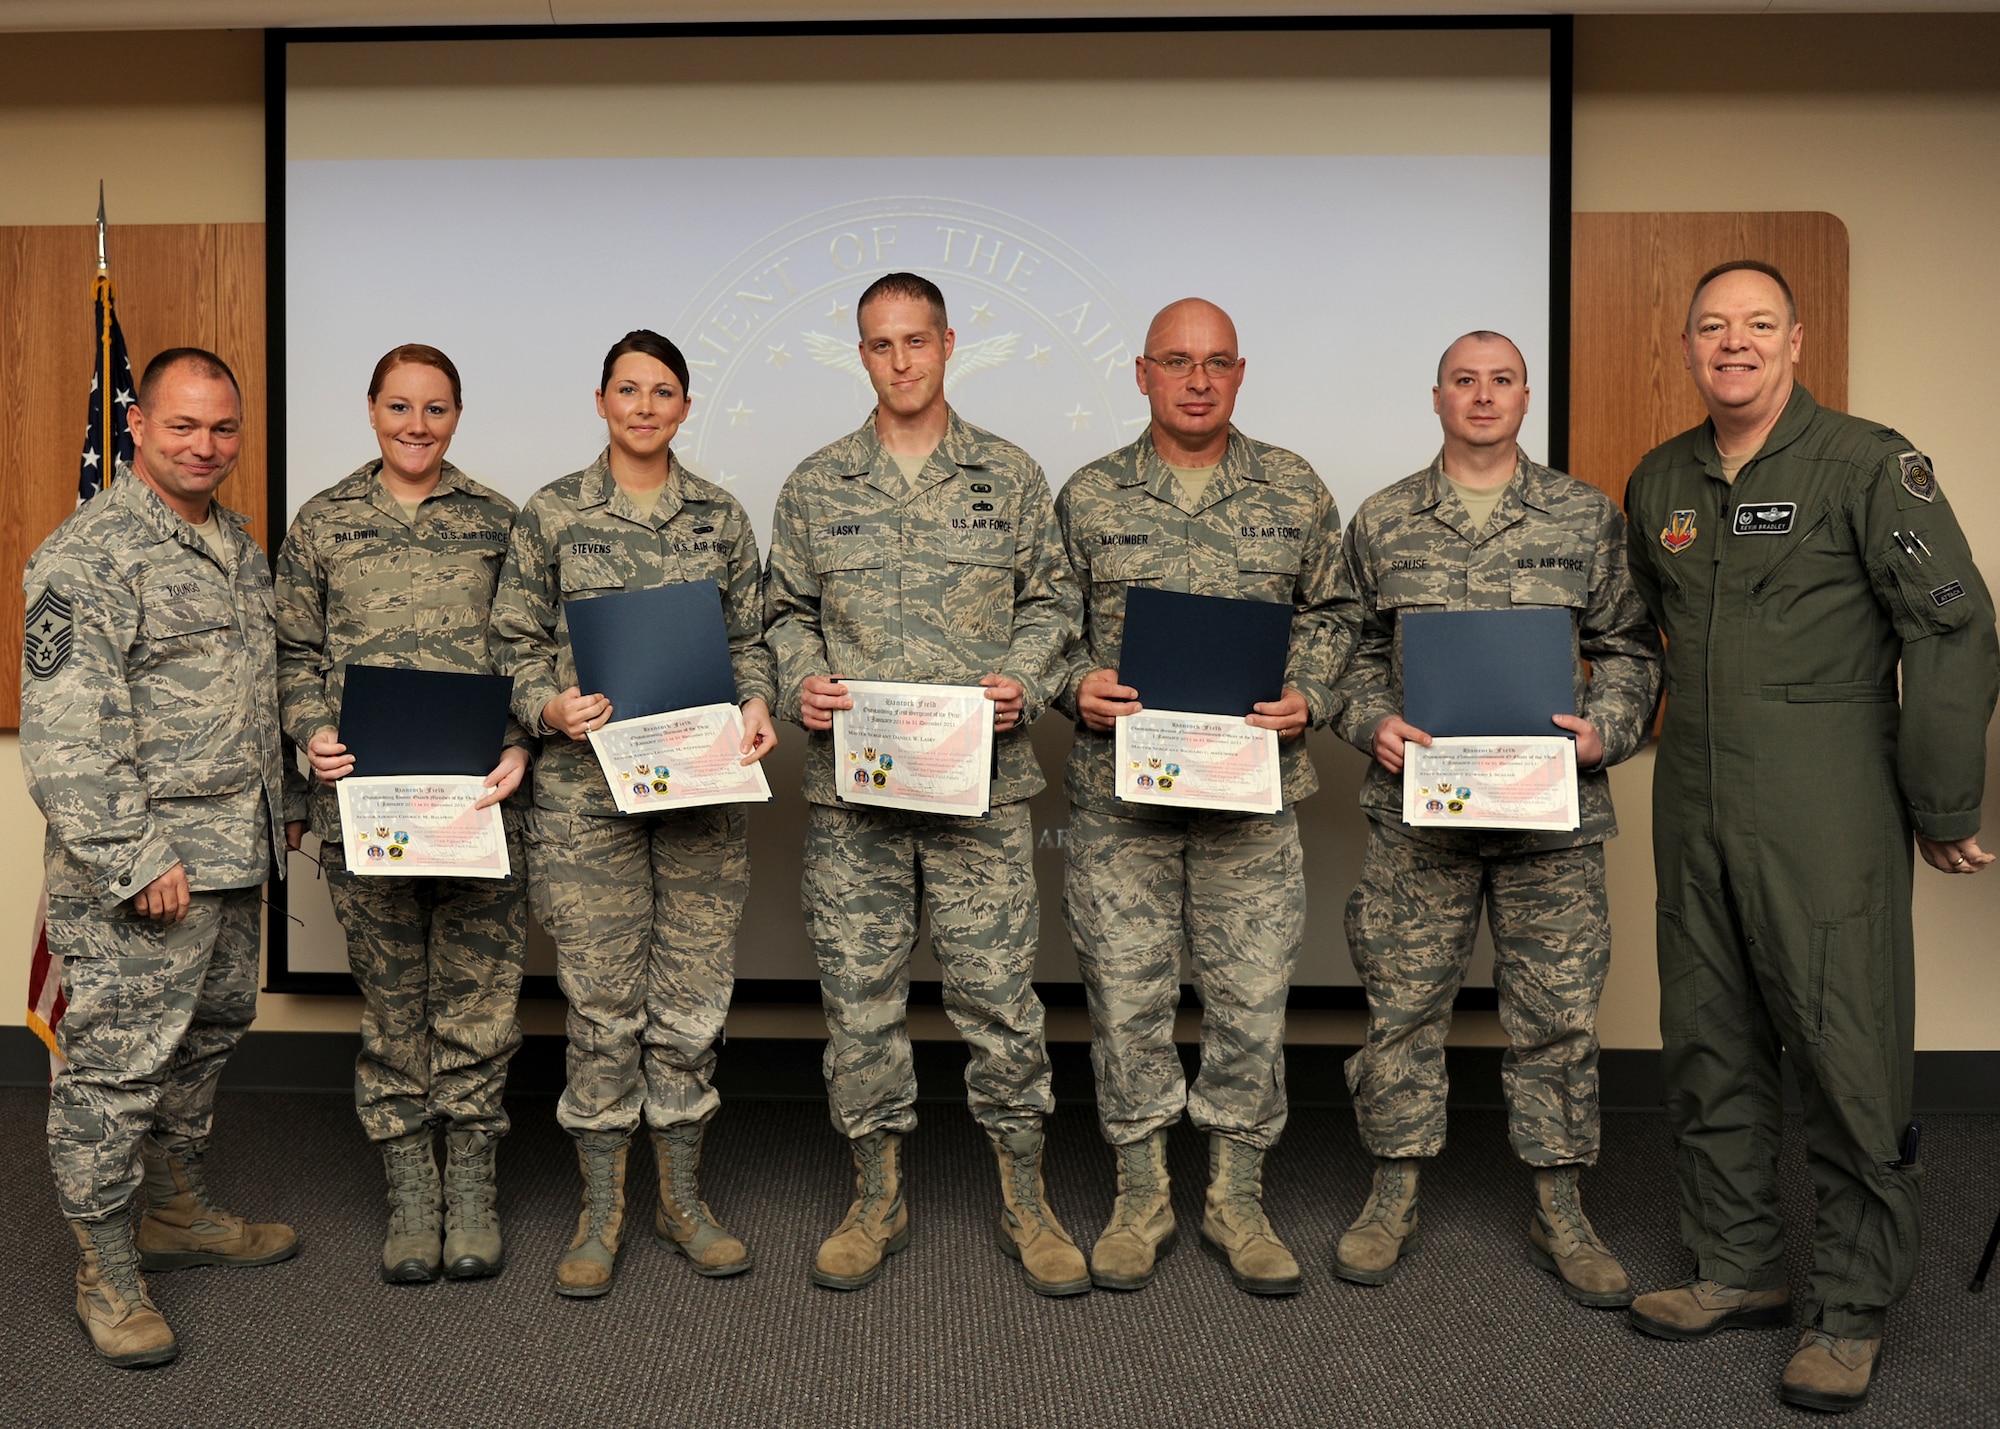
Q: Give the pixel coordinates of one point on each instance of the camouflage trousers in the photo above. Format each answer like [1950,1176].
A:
[643,911]
[868,874]
[438,961]
[155,1009]
[1410,928]
[1228,889]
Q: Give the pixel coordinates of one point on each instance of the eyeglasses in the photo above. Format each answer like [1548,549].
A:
[1182,366]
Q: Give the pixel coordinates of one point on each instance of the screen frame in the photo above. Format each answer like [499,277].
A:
[1554,387]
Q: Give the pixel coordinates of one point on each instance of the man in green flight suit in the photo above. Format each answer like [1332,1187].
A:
[1797,558]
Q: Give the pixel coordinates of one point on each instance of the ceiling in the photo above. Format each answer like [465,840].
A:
[259,14]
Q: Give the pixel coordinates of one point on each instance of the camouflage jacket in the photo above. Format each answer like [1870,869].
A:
[943,579]
[1266,528]
[359,582]
[581,537]
[149,714]
[1552,541]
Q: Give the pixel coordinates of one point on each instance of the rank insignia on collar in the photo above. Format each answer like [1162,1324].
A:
[1679,532]
[1918,478]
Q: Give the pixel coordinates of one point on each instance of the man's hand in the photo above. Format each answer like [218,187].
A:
[1287,715]
[1389,737]
[576,714]
[165,899]
[1007,696]
[329,757]
[506,776]
[1956,856]
[759,736]
[1100,700]
[1589,743]
[819,697]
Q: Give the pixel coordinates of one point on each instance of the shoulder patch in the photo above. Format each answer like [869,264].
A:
[45,645]
[1918,478]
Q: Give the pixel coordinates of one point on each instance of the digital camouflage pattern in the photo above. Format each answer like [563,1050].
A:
[868,875]
[1553,541]
[956,574]
[1831,669]
[439,964]
[581,537]
[149,735]
[643,912]
[1265,528]
[359,582]
[155,1009]
[1410,927]
[1230,891]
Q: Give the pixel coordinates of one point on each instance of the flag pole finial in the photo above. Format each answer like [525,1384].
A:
[102,265]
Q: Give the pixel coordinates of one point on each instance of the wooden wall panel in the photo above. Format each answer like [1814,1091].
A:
[1632,275]
[199,285]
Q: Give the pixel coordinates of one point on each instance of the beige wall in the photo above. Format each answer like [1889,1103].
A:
[1892,123]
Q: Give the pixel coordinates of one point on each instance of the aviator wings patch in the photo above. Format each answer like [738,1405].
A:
[51,631]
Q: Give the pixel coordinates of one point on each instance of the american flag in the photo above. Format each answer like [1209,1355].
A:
[107,441]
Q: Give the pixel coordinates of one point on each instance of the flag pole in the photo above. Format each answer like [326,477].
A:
[103,294]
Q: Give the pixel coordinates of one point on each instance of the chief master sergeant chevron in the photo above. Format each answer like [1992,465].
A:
[149,732]
[1799,559]
[1192,505]
[921,548]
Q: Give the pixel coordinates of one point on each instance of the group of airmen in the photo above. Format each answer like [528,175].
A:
[1830,666]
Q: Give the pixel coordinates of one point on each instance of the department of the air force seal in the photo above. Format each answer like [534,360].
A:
[45,644]
[1045,341]
[1918,478]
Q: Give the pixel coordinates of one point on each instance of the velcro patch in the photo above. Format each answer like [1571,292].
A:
[1947,593]
[1771,518]
[1918,478]
[50,634]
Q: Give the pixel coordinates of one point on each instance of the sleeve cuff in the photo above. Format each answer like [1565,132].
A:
[155,856]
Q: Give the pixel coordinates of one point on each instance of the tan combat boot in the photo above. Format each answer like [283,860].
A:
[877,1224]
[1830,1373]
[182,1227]
[1699,1309]
[111,1300]
[1235,1227]
[1029,1230]
[584,1272]
[1696,1309]
[1142,1218]
[472,1244]
[1371,1250]
[411,1254]
[683,1219]
[1562,1241]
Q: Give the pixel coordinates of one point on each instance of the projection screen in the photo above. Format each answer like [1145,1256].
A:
[1356,197]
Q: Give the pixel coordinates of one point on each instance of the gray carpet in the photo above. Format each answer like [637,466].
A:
[1469,1334]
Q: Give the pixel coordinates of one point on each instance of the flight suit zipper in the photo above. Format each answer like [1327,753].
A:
[1771,573]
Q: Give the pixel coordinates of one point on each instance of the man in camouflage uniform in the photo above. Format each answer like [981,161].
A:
[363,578]
[149,734]
[921,548]
[1831,669]
[1486,528]
[1192,505]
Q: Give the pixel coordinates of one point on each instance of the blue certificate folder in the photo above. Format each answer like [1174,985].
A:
[1203,654]
[651,651]
[1488,672]
[421,722]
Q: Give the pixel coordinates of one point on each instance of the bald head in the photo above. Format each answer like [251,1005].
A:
[1480,338]
[1188,316]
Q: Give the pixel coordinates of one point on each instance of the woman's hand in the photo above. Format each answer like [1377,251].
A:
[506,776]
[576,714]
[760,737]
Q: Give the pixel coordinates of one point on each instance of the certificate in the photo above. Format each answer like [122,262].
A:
[678,760]
[1524,782]
[927,748]
[421,826]
[1198,761]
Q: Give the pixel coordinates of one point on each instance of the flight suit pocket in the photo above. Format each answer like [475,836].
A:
[1680,981]
[1847,1004]
[1921,602]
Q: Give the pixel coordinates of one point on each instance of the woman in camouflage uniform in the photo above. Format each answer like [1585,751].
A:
[643,909]
[396,565]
